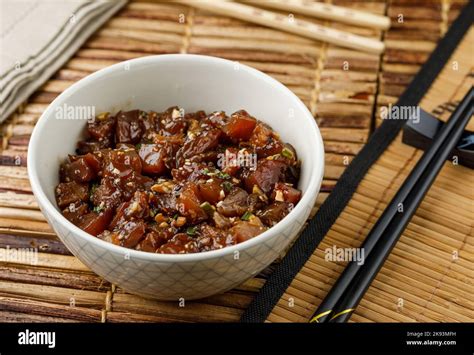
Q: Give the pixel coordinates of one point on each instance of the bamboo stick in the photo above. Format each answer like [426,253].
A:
[145,24]
[52,294]
[251,44]
[353,135]
[229,299]
[21,310]
[89,65]
[147,36]
[249,31]
[44,244]
[327,12]
[25,225]
[35,108]
[102,42]
[68,74]
[242,54]
[58,278]
[54,261]
[11,199]
[17,317]
[300,27]
[18,213]
[193,311]
[109,54]
[27,233]
[126,317]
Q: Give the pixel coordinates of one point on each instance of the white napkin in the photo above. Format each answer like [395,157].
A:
[38,37]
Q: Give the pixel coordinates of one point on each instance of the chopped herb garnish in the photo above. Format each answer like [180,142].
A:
[227,185]
[222,175]
[246,216]
[191,231]
[94,187]
[138,146]
[287,153]
[205,171]
[154,212]
[98,209]
[207,207]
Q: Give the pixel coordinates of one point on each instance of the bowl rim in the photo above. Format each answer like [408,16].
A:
[313,188]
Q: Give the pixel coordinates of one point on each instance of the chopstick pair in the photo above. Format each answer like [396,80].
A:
[300,27]
[327,11]
[351,286]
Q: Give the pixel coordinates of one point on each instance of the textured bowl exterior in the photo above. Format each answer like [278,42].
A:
[196,82]
[172,281]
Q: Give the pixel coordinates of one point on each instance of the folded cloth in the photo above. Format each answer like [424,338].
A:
[38,37]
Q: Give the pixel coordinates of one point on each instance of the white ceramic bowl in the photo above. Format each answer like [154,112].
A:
[155,83]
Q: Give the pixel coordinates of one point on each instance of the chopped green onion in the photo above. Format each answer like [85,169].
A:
[138,146]
[222,175]
[287,153]
[94,187]
[246,216]
[207,207]
[227,185]
[98,209]
[154,212]
[191,231]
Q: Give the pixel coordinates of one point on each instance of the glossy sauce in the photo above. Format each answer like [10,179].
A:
[176,183]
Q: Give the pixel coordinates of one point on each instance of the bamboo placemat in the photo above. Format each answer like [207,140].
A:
[344,102]
[428,276]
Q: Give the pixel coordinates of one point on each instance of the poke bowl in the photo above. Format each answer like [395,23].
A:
[197,84]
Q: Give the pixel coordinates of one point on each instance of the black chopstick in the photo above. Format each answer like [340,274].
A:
[438,152]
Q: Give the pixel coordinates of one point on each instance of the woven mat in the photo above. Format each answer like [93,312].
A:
[428,276]
[421,281]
